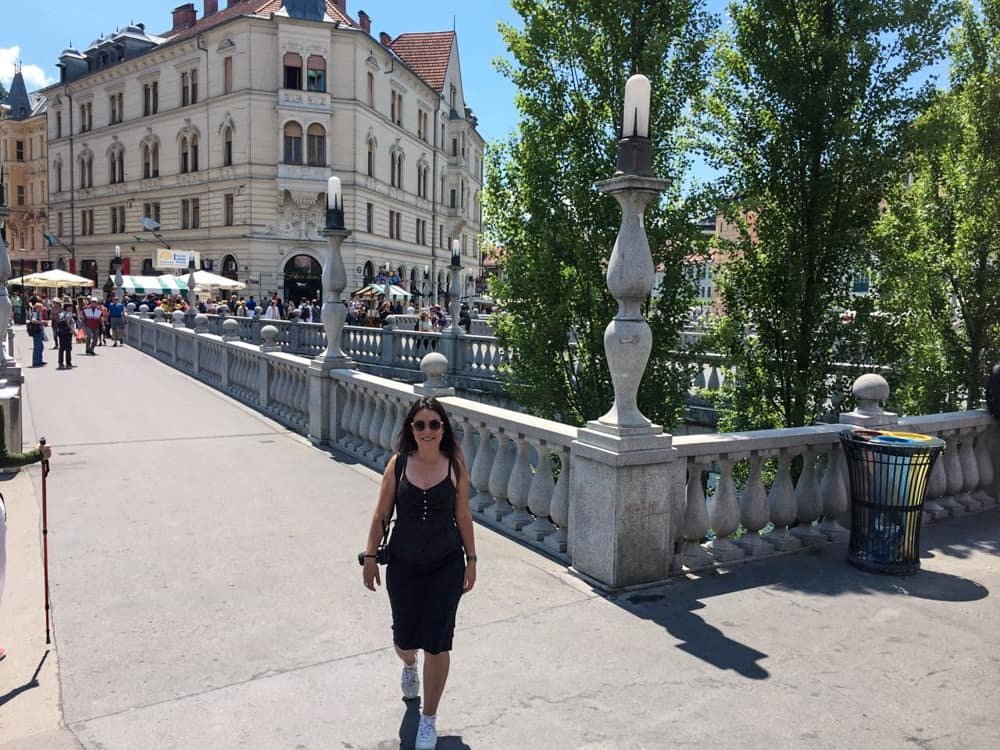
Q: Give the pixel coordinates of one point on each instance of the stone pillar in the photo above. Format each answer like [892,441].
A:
[626,481]
[434,366]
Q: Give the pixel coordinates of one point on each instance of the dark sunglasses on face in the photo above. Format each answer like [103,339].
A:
[420,425]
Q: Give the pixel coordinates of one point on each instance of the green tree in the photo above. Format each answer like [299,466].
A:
[570,64]
[940,235]
[805,119]
[3,93]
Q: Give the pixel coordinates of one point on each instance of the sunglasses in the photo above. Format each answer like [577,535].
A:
[420,425]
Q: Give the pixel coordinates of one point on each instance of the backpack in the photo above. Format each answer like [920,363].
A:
[34,328]
[993,391]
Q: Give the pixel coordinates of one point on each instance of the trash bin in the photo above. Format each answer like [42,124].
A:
[888,473]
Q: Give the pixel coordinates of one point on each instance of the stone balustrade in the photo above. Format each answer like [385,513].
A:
[747,495]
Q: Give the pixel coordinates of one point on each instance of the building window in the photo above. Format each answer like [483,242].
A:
[59,177]
[393,161]
[116,166]
[151,211]
[371,158]
[396,108]
[117,219]
[422,122]
[190,213]
[392,224]
[227,209]
[421,238]
[20,195]
[189,154]
[453,198]
[86,117]
[370,217]
[316,73]
[87,221]
[189,87]
[227,75]
[86,171]
[371,89]
[150,98]
[293,71]
[227,148]
[58,124]
[316,146]
[116,108]
[59,223]
[150,160]
[293,144]
[454,146]
[19,150]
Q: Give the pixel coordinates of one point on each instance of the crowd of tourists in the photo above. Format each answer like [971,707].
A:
[90,320]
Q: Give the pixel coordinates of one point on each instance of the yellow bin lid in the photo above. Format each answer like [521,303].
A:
[907,435]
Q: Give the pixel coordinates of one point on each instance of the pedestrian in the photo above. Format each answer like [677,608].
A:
[36,329]
[116,318]
[432,551]
[65,332]
[251,306]
[93,317]
[272,312]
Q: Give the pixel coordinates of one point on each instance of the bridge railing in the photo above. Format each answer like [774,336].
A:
[731,497]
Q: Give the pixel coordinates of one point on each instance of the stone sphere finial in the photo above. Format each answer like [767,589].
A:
[269,334]
[434,365]
[201,322]
[231,327]
[870,391]
[158,313]
[130,307]
[144,309]
[178,317]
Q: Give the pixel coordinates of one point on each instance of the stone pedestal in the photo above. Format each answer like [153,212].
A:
[10,404]
[627,491]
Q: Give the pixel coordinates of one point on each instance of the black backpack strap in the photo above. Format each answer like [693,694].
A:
[398,470]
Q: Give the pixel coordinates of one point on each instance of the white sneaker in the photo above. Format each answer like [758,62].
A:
[427,738]
[410,682]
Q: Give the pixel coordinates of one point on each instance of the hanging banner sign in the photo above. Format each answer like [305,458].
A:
[176,259]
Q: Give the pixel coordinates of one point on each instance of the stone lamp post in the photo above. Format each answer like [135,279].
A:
[455,287]
[6,358]
[119,283]
[627,486]
[323,394]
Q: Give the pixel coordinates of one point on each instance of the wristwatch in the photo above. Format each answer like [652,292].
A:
[471,558]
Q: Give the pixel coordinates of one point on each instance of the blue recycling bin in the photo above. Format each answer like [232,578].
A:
[888,474]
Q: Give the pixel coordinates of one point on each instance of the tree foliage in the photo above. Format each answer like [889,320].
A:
[939,238]
[570,63]
[805,119]
[3,93]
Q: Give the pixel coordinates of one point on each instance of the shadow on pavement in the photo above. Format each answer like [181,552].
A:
[29,685]
[408,731]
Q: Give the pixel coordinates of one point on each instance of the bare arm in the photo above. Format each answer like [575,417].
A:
[383,512]
[463,517]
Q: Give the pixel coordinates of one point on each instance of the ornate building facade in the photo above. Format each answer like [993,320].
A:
[225,128]
[23,166]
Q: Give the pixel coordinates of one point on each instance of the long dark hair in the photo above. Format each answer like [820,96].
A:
[407,444]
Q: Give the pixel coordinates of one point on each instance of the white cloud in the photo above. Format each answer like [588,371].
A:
[34,76]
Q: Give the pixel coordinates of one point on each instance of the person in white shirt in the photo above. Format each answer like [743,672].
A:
[272,312]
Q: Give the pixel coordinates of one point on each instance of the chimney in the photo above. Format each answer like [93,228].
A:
[365,21]
[184,16]
[211,8]
[384,38]
[341,6]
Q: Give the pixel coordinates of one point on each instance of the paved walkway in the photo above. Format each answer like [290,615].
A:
[205,596]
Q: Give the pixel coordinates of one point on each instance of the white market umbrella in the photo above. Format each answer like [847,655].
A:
[213,280]
[373,290]
[49,279]
[151,284]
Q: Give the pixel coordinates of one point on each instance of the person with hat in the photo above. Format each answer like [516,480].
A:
[93,319]
[36,329]
[65,332]
[116,318]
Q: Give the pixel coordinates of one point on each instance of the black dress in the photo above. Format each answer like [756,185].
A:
[426,565]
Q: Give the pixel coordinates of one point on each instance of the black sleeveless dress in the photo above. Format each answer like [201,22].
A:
[426,565]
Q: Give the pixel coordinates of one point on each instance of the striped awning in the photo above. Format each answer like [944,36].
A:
[152,284]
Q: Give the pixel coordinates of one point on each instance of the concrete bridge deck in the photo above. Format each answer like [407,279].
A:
[205,595]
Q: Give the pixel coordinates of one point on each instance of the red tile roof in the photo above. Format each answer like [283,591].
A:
[427,53]
[247,8]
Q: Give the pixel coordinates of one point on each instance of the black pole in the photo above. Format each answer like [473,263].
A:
[45,542]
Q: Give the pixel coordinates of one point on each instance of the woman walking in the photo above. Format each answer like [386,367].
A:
[432,552]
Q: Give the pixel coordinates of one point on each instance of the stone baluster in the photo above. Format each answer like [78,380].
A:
[347,413]
[833,494]
[694,555]
[953,476]
[985,461]
[754,513]
[362,421]
[540,495]
[402,408]
[782,503]
[558,541]
[503,464]
[468,447]
[388,427]
[724,515]
[481,470]
[970,471]
[937,487]
[808,505]
[519,485]
[374,434]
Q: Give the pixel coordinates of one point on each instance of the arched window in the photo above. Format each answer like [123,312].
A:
[185,156]
[293,70]
[227,147]
[150,160]
[371,158]
[59,173]
[86,170]
[189,153]
[230,267]
[116,166]
[369,272]
[193,150]
[316,146]
[392,168]
[292,143]
[316,73]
